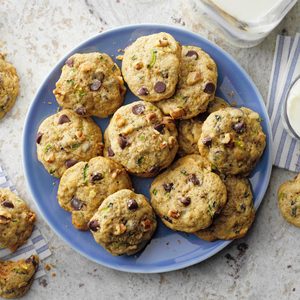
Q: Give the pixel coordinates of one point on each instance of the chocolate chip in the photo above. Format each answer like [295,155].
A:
[209,88]
[185,201]
[96,177]
[63,119]
[159,127]
[143,91]
[167,219]
[76,204]
[207,141]
[132,204]
[98,75]
[31,260]
[159,87]
[122,140]
[95,85]
[81,111]
[191,53]
[239,127]
[70,62]
[94,225]
[7,204]
[110,152]
[193,178]
[154,170]
[39,137]
[138,109]
[168,186]
[70,162]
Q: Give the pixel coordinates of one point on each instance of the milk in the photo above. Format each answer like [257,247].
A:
[247,10]
[293,107]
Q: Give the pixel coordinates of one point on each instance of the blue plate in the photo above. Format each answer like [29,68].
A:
[168,250]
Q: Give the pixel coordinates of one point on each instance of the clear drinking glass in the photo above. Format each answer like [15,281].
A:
[287,124]
[244,23]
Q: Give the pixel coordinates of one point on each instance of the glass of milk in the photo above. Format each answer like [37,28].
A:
[244,23]
[291,110]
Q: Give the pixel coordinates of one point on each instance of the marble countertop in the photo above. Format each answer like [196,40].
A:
[35,34]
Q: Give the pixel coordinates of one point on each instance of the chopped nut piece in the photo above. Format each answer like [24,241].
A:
[120,229]
[177,114]
[171,141]
[193,77]
[147,224]
[139,65]
[121,122]
[163,42]
[152,117]
[85,146]
[175,214]
[163,145]
[127,130]
[50,157]
[226,138]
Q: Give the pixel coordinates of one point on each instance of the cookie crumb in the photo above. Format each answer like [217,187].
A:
[53,274]
[43,282]
[294,289]
[81,285]
[289,266]
[119,57]
[242,247]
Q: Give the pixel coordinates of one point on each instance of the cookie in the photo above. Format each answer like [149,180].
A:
[196,86]
[188,195]
[237,215]
[16,220]
[16,277]
[9,86]
[216,104]
[141,138]
[91,84]
[124,223]
[232,140]
[64,139]
[289,200]
[84,186]
[189,132]
[151,66]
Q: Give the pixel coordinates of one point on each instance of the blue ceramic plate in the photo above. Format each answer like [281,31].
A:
[168,250]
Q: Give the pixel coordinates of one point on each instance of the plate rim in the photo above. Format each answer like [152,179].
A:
[138,269]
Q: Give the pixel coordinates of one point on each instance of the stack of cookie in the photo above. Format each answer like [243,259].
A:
[16,225]
[204,192]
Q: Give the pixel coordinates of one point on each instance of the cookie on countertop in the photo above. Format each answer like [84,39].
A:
[232,140]
[91,84]
[16,220]
[141,138]
[151,66]
[189,132]
[16,277]
[9,86]
[124,223]
[196,86]
[289,200]
[188,195]
[236,217]
[84,186]
[64,139]
[216,104]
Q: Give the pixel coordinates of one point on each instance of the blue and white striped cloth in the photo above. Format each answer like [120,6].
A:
[286,67]
[35,245]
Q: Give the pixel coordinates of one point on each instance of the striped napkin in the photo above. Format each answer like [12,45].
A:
[35,245]
[286,68]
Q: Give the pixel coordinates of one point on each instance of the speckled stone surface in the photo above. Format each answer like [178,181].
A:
[35,34]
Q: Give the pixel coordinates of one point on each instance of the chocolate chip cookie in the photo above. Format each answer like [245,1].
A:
[124,223]
[141,138]
[16,277]
[64,139]
[84,186]
[9,86]
[196,86]
[237,215]
[16,220]
[232,139]
[91,84]
[151,66]
[289,200]
[188,195]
